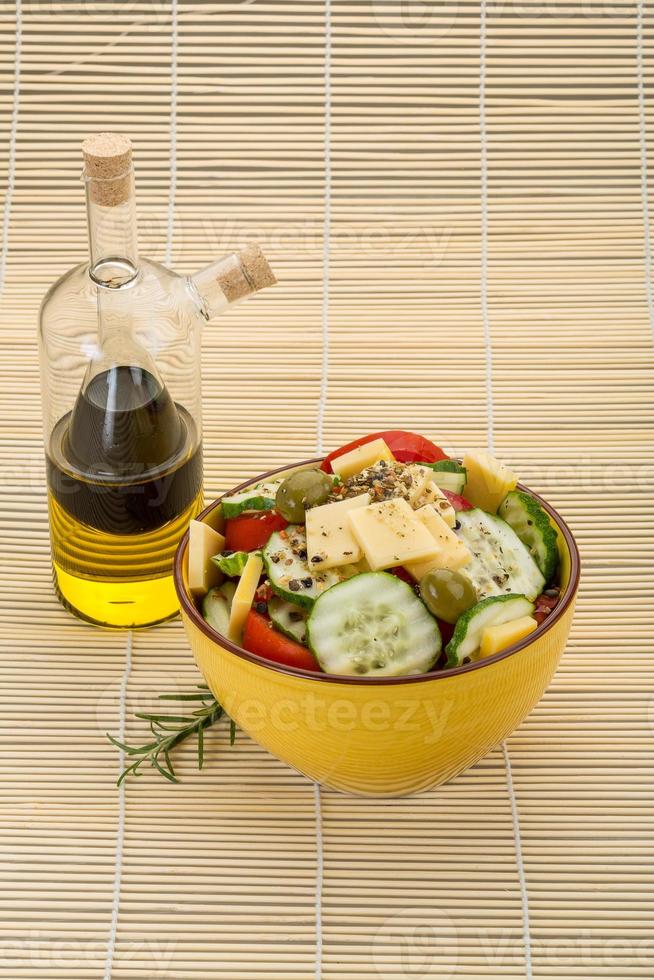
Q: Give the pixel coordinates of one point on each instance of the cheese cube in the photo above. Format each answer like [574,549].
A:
[496,638]
[244,596]
[434,495]
[489,481]
[391,534]
[349,464]
[452,553]
[203,544]
[329,535]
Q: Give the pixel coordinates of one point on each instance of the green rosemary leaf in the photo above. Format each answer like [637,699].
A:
[185,697]
[200,746]
[170,765]
[164,772]
[131,749]
[181,719]
[232,731]
[170,731]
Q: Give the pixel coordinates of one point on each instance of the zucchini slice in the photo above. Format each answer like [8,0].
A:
[449,475]
[532,525]
[260,497]
[471,625]
[290,574]
[289,619]
[501,564]
[373,625]
[217,606]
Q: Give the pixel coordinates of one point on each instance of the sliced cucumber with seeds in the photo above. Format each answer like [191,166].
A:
[532,525]
[489,612]
[373,625]
[216,606]
[449,475]
[289,619]
[260,497]
[501,564]
[290,574]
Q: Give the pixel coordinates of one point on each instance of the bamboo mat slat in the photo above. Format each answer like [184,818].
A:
[457,200]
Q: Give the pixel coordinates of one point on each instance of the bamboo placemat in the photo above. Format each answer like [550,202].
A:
[456,201]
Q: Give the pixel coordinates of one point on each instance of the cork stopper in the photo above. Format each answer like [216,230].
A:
[256,268]
[108,168]
[243,273]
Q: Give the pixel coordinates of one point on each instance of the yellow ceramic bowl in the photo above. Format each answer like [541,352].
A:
[385,736]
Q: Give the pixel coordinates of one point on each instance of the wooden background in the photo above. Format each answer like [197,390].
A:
[457,202]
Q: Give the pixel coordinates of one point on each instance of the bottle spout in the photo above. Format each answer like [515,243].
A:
[231,279]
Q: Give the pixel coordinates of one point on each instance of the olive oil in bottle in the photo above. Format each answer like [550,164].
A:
[120,358]
[124,479]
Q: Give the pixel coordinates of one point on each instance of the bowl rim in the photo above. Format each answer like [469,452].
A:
[189,607]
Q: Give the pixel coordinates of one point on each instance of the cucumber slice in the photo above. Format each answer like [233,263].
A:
[232,565]
[289,619]
[216,606]
[489,612]
[532,525]
[449,475]
[291,576]
[373,625]
[260,497]
[500,563]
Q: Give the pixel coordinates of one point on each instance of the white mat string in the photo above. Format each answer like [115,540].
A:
[13,136]
[120,829]
[647,230]
[488,346]
[172,190]
[322,407]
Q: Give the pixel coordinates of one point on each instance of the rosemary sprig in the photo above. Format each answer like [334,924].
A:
[170,730]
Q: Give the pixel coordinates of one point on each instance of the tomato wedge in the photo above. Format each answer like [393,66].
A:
[407,447]
[259,637]
[247,532]
[457,501]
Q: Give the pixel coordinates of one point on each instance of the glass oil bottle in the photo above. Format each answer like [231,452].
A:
[120,363]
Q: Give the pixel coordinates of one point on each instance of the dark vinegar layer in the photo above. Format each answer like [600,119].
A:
[126,460]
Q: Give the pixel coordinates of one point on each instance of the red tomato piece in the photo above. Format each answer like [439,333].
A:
[407,447]
[247,532]
[447,630]
[264,593]
[259,637]
[544,606]
[457,501]
[402,573]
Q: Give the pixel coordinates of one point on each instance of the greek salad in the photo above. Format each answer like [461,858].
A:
[388,559]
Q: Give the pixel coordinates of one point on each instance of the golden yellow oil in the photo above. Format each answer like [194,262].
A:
[116,580]
[124,480]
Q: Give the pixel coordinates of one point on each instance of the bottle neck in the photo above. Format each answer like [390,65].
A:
[113,245]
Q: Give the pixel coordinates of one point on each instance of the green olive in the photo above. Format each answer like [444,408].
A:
[447,594]
[306,488]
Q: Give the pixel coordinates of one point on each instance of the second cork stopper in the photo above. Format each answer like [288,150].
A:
[108,168]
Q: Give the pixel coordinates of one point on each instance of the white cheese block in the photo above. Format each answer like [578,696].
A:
[203,544]
[329,535]
[390,534]
[349,464]
[244,596]
[434,495]
[421,477]
[488,482]
[451,553]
